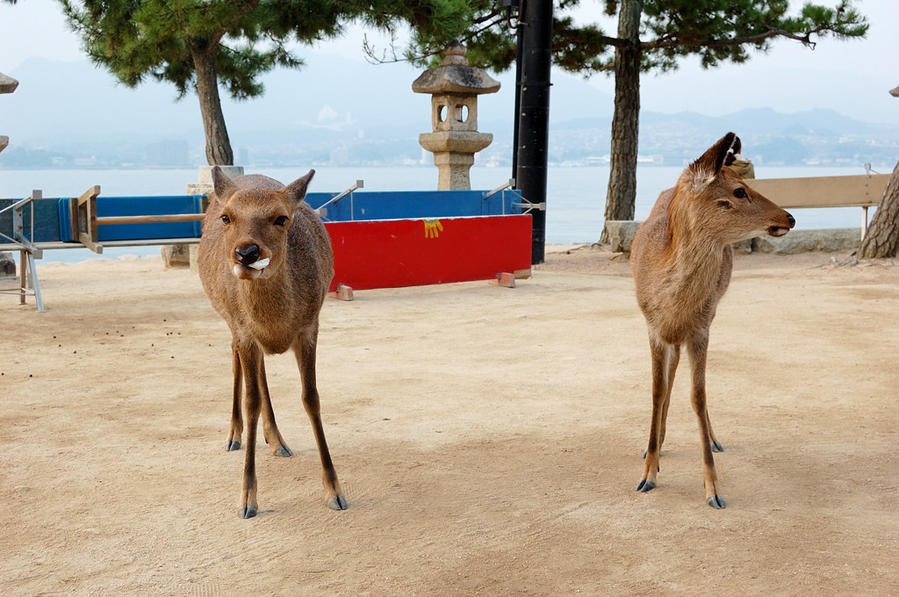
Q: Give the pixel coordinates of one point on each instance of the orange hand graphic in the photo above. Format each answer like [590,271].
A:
[433,228]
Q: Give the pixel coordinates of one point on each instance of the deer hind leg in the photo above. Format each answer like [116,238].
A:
[236,419]
[698,350]
[661,357]
[251,359]
[269,426]
[304,348]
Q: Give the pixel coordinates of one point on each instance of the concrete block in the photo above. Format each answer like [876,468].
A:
[343,293]
[801,241]
[194,251]
[176,255]
[621,234]
[7,264]
[505,279]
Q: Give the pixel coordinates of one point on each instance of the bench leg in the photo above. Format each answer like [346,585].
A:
[23,280]
[36,286]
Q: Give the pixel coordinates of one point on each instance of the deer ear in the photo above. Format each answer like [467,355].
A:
[296,190]
[713,159]
[221,183]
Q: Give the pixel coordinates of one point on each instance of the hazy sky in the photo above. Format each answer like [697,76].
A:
[852,77]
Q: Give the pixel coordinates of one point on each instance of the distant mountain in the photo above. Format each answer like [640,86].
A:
[339,111]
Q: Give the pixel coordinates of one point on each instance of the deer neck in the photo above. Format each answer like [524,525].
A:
[695,259]
[265,299]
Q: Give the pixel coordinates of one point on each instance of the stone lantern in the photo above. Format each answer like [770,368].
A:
[7,85]
[7,263]
[454,87]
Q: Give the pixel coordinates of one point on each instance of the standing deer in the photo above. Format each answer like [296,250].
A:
[265,262]
[682,260]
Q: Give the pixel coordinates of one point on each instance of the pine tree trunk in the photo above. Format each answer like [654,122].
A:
[882,238]
[218,146]
[622,190]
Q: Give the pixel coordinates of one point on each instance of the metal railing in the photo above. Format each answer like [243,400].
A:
[29,284]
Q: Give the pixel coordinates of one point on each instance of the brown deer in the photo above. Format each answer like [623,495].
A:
[682,260]
[265,262]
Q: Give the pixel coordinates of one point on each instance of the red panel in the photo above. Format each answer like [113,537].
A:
[391,253]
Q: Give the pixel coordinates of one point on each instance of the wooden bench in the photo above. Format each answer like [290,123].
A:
[85,223]
[861,190]
[83,231]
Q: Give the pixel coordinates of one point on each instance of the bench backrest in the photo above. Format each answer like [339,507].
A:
[862,190]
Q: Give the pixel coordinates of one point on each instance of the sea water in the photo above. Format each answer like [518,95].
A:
[575,195]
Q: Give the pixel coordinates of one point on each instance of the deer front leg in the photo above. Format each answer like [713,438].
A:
[236,420]
[269,426]
[698,350]
[304,349]
[673,357]
[716,445]
[251,359]
[660,352]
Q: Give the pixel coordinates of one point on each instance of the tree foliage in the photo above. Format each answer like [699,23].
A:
[716,31]
[198,45]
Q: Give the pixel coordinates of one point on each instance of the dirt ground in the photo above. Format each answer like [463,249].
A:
[488,440]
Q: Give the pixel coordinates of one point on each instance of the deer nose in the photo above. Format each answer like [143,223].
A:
[247,255]
[791,219]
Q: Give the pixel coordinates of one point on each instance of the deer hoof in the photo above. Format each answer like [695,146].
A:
[645,485]
[233,445]
[337,503]
[717,447]
[716,502]
[644,454]
[283,451]
[248,512]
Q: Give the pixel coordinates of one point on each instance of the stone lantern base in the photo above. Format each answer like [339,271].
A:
[454,155]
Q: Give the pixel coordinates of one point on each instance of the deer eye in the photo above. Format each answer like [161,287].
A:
[740,193]
[225,219]
[724,204]
[280,220]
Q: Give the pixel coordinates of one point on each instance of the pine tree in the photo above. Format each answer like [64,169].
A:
[199,45]
[882,237]
[652,36]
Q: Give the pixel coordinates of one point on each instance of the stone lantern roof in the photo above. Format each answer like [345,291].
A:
[7,84]
[454,75]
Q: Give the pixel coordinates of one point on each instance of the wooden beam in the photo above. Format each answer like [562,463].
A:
[150,219]
[86,219]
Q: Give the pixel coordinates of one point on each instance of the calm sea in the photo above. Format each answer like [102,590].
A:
[575,195]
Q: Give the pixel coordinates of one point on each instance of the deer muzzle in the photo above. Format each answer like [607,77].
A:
[247,264]
[778,230]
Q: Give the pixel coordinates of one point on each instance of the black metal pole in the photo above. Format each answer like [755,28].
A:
[535,55]
[518,48]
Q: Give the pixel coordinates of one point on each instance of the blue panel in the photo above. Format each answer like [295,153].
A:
[139,206]
[45,220]
[390,205]
[365,205]
[65,220]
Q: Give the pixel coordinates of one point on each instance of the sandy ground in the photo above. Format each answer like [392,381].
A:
[488,440]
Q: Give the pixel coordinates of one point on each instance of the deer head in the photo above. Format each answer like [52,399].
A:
[715,200]
[255,224]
